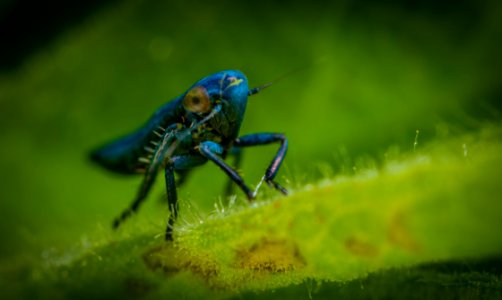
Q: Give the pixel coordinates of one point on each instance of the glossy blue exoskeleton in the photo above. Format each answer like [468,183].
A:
[201,124]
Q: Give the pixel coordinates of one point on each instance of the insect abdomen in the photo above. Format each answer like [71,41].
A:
[127,155]
[122,155]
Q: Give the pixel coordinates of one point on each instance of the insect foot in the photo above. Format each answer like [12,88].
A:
[121,218]
[271,183]
[276,186]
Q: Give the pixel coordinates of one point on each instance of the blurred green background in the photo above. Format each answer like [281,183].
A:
[376,73]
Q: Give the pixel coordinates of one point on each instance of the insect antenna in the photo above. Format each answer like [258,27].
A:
[258,89]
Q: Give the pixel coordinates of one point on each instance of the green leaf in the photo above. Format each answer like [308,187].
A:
[440,203]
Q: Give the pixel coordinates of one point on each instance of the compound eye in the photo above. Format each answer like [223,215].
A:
[197,100]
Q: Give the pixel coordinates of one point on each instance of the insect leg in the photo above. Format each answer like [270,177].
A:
[179,163]
[211,151]
[181,179]
[264,139]
[236,152]
[148,180]
[150,174]
[172,199]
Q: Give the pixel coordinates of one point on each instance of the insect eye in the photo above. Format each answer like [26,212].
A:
[197,100]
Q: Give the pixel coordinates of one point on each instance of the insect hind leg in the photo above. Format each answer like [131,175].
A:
[147,183]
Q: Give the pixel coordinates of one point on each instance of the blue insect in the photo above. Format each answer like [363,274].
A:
[201,124]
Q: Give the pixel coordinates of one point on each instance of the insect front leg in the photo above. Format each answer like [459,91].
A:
[264,139]
[150,174]
[211,151]
[179,163]
[172,199]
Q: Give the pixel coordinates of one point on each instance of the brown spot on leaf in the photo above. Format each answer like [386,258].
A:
[205,266]
[162,258]
[266,257]
[275,256]
[172,261]
[399,234]
[360,248]
[320,218]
